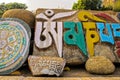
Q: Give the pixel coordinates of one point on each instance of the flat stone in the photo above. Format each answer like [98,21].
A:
[74,78]
[46,65]
[71,53]
[55,37]
[99,65]
[54,78]
[12,78]
[14,44]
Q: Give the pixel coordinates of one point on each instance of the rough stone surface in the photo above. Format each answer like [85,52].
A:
[117,50]
[72,54]
[105,50]
[46,65]
[71,51]
[99,65]
[54,78]
[22,14]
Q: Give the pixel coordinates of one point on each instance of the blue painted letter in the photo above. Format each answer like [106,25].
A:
[108,37]
[116,29]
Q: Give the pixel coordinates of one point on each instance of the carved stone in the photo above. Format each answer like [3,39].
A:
[73,35]
[46,65]
[14,44]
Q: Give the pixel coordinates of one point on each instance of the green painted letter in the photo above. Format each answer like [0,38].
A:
[75,36]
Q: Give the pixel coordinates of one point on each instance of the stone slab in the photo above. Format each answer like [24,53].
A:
[43,78]
[73,35]
[46,65]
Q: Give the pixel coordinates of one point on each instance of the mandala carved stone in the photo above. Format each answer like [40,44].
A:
[14,44]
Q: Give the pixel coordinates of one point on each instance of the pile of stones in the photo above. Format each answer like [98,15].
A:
[16,26]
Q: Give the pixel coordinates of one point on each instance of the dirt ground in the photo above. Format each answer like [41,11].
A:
[76,73]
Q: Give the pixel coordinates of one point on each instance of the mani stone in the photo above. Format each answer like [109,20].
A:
[46,65]
[22,14]
[14,44]
[70,52]
[99,65]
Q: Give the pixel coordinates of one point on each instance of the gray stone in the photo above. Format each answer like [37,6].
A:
[99,65]
[46,65]
[70,52]
[105,50]
[69,49]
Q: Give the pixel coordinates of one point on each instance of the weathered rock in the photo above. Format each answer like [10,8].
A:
[105,50]
[99,65]
[58,48]
[46,65]
[22,14]
[73,55]
[14,44]
[73,34]
[118,15]
[117,50]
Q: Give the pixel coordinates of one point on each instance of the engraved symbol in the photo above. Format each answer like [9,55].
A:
[11,39]
[3,43]
[9,49]
[48,29]
[6,40]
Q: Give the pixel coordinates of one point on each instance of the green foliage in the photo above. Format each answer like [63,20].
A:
[87,4]
[107,8]
[4,7]
[92,4]
[16,5]
[117,6]
[78,5]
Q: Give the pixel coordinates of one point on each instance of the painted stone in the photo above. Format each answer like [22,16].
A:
[74,35]
[118,15]
[46,65]
[14,44]
[106,16]
[99,65]
[73,54]
[85,16]
[108,37]
[92,36]
[117,50]
[116,31]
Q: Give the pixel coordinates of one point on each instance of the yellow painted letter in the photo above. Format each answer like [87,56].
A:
[86,16]
[91,36]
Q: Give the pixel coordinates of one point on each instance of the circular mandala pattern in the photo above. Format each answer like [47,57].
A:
[14,44]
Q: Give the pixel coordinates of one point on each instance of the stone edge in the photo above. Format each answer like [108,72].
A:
[56,78]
